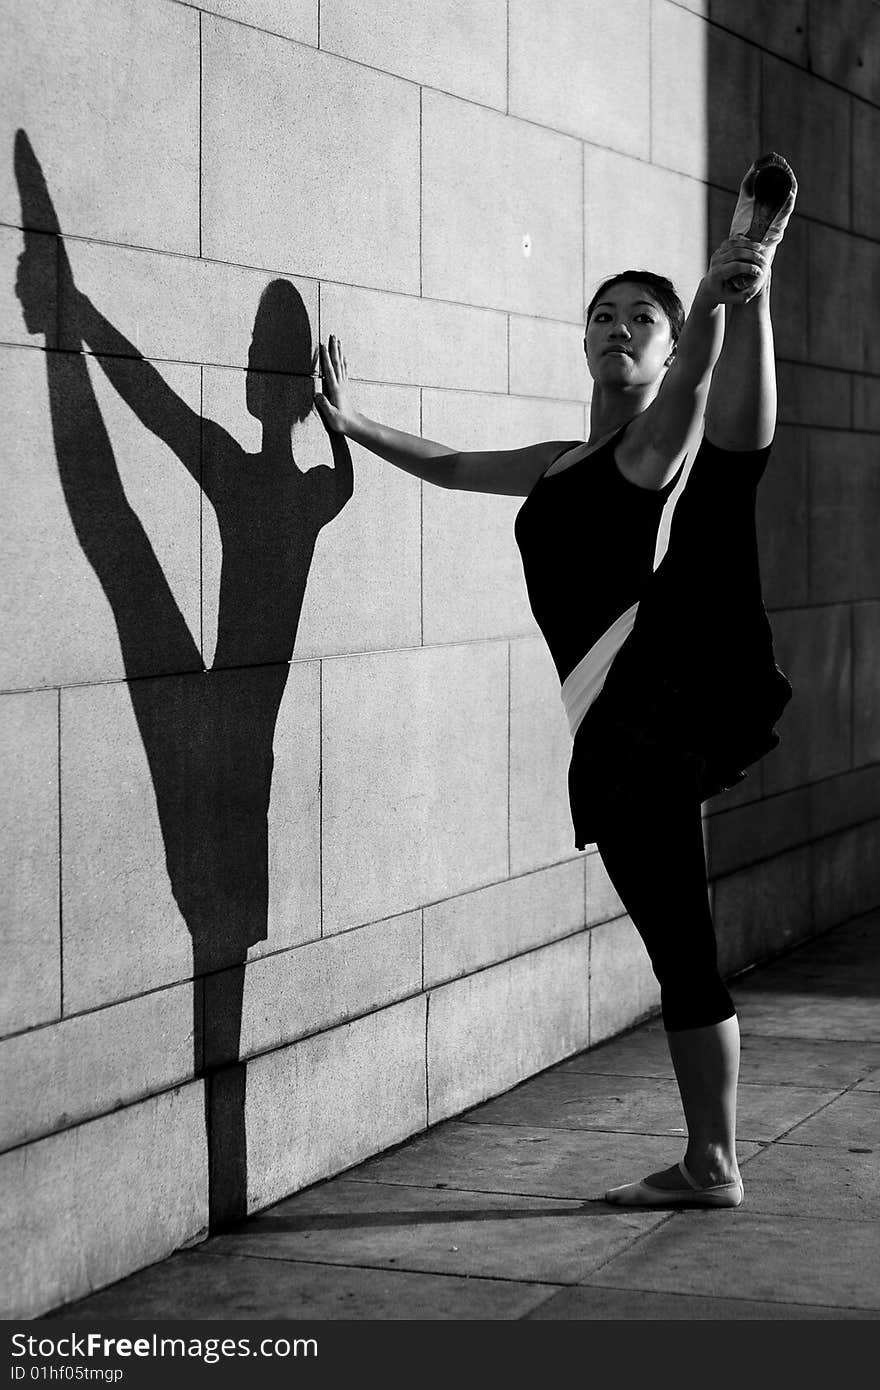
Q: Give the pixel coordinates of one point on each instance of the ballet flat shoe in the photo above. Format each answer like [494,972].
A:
[640,1194]
[765,204]
[766,201]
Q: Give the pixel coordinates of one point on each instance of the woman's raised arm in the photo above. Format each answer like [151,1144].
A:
[509,472]
[655,442]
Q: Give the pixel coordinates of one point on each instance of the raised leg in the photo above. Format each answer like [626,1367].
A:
[741,408]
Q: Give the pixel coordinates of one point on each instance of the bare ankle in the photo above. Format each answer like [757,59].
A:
[711,1162]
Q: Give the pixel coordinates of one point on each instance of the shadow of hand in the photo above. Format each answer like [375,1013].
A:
[44,271]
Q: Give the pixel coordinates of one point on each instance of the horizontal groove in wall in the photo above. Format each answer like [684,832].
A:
[368,653]
[287,272]
[302,945]
[804,363]
[181,1085]
[782,57]
[808,363]
[288,1043]
[189,980]
[365,654]
[483,106]
[795,845]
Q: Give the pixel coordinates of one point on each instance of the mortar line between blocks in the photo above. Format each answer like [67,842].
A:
[201,106]
[852,402]
[810,311]
[202,514]
[650,81]
[762,67]
[508,354]
[321,797]
[421,528]
[852,165]
[421,189]
[852,684]
[427,1076]
[589,972]
[507,61]
[509,662]
[519,312]
[60,879]
[808,490]
[583,294]
[307,45]
[190,980]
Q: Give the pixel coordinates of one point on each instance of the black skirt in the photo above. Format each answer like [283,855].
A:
[695,691]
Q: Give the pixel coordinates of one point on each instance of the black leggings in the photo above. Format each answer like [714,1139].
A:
[690,700]
[653,851]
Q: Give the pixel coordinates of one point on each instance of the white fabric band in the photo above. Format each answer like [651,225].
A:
[582,685]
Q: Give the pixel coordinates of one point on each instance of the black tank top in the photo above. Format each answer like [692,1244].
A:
[587,537]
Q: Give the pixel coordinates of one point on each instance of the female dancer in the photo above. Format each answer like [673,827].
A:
[664,650]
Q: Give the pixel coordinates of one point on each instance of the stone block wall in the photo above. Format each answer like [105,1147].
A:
[795,848]
[288,867]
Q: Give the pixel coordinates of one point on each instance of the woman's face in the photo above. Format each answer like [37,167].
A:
[628,340]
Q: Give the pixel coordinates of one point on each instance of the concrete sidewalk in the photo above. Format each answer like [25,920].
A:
[498,1214]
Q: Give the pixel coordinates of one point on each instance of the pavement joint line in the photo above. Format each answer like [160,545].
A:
[728,1298]
[638,1238]
[647,1076]
[381,1268]
[410,1269]
[632,1133]
[480,1191]
[805,1037]
[644,1076]
[417,1187]
[831,1148]
[543,1304]
[849,1090]
[815,1217]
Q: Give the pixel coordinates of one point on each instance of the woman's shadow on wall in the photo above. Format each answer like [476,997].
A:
[207,734]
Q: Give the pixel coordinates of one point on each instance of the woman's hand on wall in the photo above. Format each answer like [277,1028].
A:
[334,403]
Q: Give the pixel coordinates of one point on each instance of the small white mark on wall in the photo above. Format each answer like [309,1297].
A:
[527,244]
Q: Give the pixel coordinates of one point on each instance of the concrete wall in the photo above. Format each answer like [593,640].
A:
[289,871]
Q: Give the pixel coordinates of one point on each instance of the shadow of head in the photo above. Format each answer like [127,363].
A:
[279,385]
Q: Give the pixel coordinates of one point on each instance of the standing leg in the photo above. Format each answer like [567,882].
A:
[706,1062]
[653,852]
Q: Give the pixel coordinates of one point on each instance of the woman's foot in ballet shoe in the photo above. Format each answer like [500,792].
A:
[766,201]
[676,1187]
